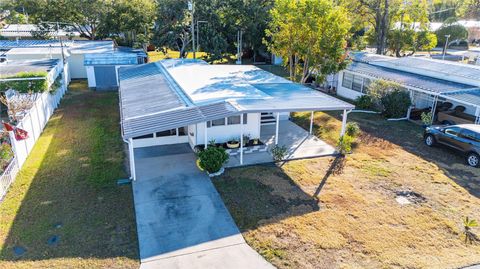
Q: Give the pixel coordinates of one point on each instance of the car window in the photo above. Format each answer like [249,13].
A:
[471,135]
[452,131]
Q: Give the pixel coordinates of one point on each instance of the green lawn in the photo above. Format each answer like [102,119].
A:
[67,188]
[300,215]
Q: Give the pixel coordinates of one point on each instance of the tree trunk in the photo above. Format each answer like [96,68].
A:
[290,67]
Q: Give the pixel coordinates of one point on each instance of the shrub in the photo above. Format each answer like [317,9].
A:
[344,144]
[426,118]
[278,152]
[212,159]
[352,129]
[396,103]
[364,102]
[6,154]
[468,224]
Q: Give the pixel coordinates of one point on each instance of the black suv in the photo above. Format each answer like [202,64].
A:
[462,137]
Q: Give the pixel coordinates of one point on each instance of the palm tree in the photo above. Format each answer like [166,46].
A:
[468,224]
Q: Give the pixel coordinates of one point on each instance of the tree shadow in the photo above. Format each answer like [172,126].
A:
[262,194]
[53,209]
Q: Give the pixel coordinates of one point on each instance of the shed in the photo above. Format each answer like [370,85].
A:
[102,68]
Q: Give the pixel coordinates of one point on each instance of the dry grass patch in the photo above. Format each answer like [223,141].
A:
[353,220]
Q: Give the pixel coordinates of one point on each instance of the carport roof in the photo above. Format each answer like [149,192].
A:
[153,100]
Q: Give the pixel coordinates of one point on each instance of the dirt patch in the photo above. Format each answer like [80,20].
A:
[406,197]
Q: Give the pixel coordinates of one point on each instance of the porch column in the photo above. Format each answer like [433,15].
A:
[241,138]
[205,136]
[344,123]
[434,107]
[311,123]
[276,128]
[132,159]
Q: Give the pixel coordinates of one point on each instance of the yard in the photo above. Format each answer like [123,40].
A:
[65,210]
[299,215]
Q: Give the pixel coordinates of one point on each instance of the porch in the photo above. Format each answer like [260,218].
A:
[300,144]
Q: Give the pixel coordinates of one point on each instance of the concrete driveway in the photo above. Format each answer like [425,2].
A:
[181,219]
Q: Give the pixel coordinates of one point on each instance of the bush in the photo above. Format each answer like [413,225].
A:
[278,152]
[212,159]
[6,154]
[364,102]
[344,144]
[352,129]
[396,103]
[426,118]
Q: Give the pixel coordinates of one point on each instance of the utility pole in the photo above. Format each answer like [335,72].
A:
[191,7]
[61,43]
[239,47]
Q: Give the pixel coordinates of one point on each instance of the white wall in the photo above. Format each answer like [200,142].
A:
[344,92]
[77,69]
[35,56]
[91,76]
[226,132]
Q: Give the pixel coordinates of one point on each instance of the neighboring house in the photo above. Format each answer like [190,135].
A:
[19,31]
[74,52]
[429,81]
[190,101]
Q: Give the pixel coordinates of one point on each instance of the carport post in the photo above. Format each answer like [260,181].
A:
[276,128]
[311,123]
[241,138]
[344,122]
[434,107]
[132,160]
[205,134]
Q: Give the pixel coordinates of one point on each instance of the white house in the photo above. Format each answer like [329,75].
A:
[429,81]
[190,101]
[16,31]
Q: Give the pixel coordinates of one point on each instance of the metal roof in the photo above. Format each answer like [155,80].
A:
[153,100]
[10,68]
[25,30]
[448,68]
[117,58]
[74,46]
[467,97]
[409,79]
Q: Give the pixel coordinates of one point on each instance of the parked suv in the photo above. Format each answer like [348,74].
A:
[462,137]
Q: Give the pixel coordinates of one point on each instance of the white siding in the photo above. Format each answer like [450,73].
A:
[224,133]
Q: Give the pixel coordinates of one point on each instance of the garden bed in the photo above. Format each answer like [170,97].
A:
[224,145]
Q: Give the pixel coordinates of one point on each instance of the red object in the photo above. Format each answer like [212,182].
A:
[20,134]
[8,126]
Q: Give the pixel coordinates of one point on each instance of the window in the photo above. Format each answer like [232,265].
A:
[357,83]
[182,131]
[144,136]
[452,131]
[167,133]
[233,120]
[218,122]
[470,135]
[347,80]
[245,115]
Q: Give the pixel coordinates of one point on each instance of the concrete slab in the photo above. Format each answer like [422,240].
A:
[300,144]
[181,217]
[233,257]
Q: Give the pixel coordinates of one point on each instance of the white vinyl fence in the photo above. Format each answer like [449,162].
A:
[33,122]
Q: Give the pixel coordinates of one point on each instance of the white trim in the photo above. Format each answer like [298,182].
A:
[311,123]
[276,128]
[241,138]
[344,122]
[132,159]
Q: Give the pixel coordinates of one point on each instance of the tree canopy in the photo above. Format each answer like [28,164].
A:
[310,35]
